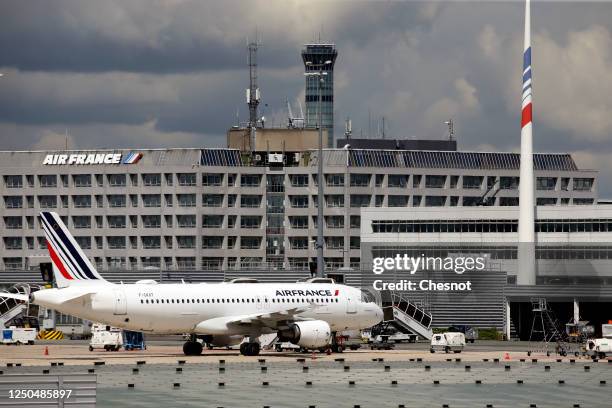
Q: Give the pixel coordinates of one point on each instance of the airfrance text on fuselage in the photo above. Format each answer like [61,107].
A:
[296,292]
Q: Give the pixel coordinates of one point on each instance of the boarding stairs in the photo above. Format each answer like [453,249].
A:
[406,316]
[12,308]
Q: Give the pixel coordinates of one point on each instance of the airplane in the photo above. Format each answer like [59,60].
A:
[220,314]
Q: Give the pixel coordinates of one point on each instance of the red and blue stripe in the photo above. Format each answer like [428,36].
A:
[526,111]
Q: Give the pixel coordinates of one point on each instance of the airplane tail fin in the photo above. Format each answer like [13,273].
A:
[70,264]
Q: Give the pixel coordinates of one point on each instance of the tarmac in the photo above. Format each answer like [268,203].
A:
[495,374]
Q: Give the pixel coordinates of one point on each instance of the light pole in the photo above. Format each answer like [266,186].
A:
[320,241]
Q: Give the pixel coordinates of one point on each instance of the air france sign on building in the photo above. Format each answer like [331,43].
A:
[92,158]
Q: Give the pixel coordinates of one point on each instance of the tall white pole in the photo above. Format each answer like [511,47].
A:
[526,274]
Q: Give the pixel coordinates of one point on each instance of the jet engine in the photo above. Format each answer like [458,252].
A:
[309,334]
[222,341]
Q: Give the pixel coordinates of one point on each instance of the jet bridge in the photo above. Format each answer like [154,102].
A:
[404,315]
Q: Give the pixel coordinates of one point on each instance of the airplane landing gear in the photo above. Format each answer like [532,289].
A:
[250,349]
[192,347]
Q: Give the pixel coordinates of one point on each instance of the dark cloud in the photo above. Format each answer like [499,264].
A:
[156,73]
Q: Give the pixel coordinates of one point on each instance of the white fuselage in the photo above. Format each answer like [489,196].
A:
[206,308]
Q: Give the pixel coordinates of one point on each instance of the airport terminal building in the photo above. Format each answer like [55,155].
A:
[209,214]
[220,209]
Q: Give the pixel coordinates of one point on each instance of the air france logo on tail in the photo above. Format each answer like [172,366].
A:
[66,255]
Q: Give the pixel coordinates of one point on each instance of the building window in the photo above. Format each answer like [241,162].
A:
[12,222]
[397,200]
[115,242]
[355,242]
[250,180]
[212,200]
[472,182]
[546,183]
[151,221]
[508,201]
[299,201]
[13,201]
[359,200]
[416,200]
[185,241]
[212,179]
[186,200]
[117,180]
[81,221]
[150,261]
[81,201]
[583,201]
[508,183]
[12,263]
[231,200]
[334,221]
[83,242]
[151,200]
[186,221]
[435,181]
[212,242]
[116,221]
[360,180]
[299,180]
[150,242]
[335,180]
[12,243]
[416,181]
[250,242]
[82,180]
[48,180]
[169,179]
[13,181]
[355,221]
[212,263]
[334,242]
[435,201]
[186,263]
[454,180]
[380,178]
[397,180]
[212,221]
[546,201]
[186,179]
[250,221]
[583,184]
[471,201]
[298,222]
[250,201]
[151,179]
[299,243]
[334,200]
[48,201]
[116,200]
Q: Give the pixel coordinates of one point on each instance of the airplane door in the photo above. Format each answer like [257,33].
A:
[120,302]
[351,307]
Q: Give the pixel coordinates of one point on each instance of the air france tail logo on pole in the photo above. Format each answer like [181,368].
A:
[92,158]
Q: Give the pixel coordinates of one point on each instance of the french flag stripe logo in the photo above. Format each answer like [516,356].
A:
[63,250]
[132,158]
[526,108]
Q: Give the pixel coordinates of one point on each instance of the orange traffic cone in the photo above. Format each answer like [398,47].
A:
[46,351]
[506,356]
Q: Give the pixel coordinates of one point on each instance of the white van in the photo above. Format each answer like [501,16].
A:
[447,342]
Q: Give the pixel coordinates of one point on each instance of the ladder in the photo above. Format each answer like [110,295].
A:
[405,315]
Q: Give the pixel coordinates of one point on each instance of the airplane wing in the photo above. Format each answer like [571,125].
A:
[272,320]
[16,296]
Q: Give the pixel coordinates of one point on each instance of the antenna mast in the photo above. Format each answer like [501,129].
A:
[252,93]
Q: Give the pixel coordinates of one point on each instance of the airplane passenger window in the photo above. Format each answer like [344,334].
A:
[141,301]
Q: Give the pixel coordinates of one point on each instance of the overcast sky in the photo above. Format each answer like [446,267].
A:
[172,73]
